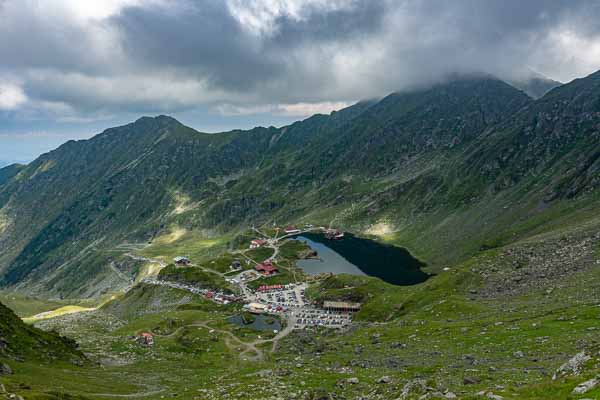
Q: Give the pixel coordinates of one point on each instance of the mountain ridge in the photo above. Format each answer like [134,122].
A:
[421,160]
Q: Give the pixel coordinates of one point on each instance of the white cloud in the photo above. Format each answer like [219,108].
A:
[79,60]
[260,16]
[573,55]
[162,90]
[11,96]
[288,110]
[91,9]
[307,109]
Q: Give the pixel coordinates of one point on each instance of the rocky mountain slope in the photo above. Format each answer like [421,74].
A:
[445,171]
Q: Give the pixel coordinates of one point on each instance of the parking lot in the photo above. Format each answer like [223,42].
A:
[318,317]
[291,301]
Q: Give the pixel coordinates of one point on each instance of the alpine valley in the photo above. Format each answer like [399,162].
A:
[156,261]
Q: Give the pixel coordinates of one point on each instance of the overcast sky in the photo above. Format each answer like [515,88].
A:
[70,68]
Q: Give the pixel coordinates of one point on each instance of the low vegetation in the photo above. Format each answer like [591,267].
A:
[193,276]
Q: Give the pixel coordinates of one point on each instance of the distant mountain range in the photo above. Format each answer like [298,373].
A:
[536,85]
[446,171]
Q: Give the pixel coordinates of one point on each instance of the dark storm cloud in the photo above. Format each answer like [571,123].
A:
[30,37]
[204,39]
[427,40]
[176,55]
[343,25]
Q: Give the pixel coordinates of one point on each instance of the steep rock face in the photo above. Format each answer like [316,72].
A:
[557,137]
[426,161]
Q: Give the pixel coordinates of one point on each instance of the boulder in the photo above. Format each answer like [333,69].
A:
[518,354]
[573,366]
[414,386]
[471,380]
[586,386]
[5,369]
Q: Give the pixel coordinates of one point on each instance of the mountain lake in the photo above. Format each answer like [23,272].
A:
[260,323]
[358,256]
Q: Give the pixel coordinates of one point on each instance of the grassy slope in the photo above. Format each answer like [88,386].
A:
[25,306]
[455,325]
[468,321]
[24,346]
[440,331]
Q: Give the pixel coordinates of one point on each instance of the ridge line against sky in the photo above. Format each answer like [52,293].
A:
[71,68]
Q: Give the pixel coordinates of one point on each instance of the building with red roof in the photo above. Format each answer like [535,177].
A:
[266,268]
[291,229]
[146,338]
[256,243]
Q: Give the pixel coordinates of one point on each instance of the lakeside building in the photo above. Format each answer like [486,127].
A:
[291,230]
[341,306]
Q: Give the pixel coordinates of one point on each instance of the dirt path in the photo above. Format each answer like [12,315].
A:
[206,269]
[120,274]
[286,331]
[275,248]
[129,396]
[148,260]
[251,350]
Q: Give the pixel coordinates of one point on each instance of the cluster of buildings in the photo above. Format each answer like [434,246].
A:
[278,298]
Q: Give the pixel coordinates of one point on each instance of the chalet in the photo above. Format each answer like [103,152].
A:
[266,268]
[146,338]
[236,265]
[341,306]
[256,243]
[291,230]
[182,261]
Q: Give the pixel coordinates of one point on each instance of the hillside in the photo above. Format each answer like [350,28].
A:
[20,342]
[444,171]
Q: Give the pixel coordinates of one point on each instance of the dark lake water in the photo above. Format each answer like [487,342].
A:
[357,256]
[260,323]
